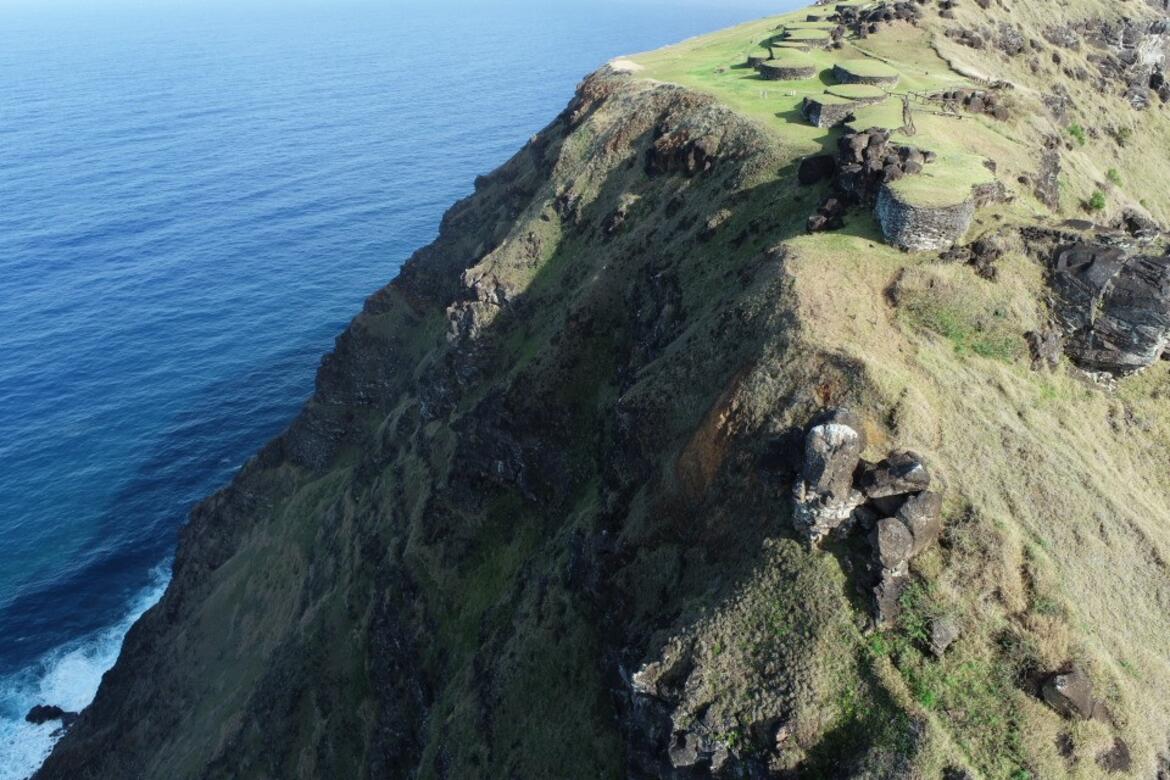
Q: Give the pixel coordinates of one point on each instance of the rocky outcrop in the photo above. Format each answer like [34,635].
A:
[975,101]
[890,501]
[918,228]
[825,497]
[1114,305]
[47,713]
[866,161]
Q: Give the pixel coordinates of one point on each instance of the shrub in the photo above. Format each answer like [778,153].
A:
[1077,132]
[1114,177]
[1097,202]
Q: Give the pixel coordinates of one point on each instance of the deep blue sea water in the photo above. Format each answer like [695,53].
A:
[194,200]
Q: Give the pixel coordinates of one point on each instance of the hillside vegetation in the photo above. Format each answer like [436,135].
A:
[538,519]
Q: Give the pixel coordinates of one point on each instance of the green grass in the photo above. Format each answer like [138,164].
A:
[811,35]
[857,91]
[868,69]
[1078,134]
[947,181]
[970,331]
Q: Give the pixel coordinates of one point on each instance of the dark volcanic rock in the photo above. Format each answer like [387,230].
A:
[1071,694]
[901,472]
[1115,306]
[816,168]
[922,516]
[45,713]
[1118,758]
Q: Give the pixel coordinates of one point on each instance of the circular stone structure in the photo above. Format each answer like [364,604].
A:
[859,92]
[792,66]
[813,37]
[832,109]
[757,58]
[870,72]
[921,228]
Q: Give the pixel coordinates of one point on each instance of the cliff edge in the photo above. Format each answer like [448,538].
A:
[791,406]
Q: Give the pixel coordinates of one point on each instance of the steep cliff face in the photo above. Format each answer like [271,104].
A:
[537,520]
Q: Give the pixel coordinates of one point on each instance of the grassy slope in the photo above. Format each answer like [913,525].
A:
[394,570]
[1059,517]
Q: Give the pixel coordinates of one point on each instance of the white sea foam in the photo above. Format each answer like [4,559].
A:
[67,677]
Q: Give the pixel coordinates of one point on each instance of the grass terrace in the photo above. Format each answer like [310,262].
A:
[945,182]
[865,71]
[857,91]
[808,35]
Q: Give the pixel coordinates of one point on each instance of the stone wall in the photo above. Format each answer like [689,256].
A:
[921,228]
[820,113]
[774,70]
[845,76]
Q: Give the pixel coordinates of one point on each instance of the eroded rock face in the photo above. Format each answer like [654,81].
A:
[1115,306]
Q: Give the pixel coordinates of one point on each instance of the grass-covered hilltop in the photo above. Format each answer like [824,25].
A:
[791,406]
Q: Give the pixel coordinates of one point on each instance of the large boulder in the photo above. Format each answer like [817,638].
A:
[1114,306]
[1071,694]
[832,451]
[825,497]
[893,542]
[922,516]
[46,713]
[901,472]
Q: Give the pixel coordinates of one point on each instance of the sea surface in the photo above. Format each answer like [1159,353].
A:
[195,197]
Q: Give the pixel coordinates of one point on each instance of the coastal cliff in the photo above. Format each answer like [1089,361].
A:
[605,482]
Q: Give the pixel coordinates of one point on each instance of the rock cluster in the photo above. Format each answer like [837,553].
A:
[890,501]
[865,161]
[866,20]
[980,254]
[975,101]
[677,151]
[970,38]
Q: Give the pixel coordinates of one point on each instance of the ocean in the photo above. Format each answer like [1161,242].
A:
[195,197]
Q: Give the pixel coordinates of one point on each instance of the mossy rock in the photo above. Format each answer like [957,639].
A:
[865,72]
